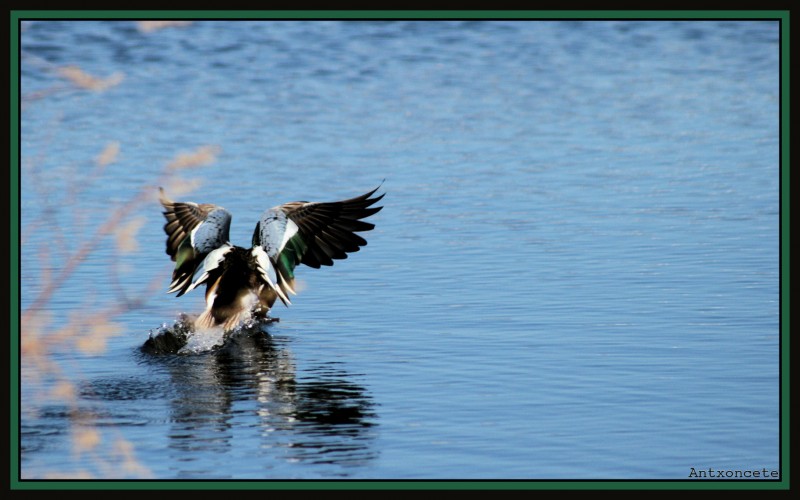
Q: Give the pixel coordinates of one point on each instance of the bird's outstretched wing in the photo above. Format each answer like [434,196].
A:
[310,233]
[193,231]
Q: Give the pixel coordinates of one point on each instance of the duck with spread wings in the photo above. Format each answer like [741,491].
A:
[240,281]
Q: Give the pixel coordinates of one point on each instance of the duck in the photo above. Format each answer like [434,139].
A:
[244,282]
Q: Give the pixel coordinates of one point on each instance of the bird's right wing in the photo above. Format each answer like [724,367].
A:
[310,233]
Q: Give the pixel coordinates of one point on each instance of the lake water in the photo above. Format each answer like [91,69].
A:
[575,275]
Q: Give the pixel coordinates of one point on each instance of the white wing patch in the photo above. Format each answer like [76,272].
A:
[267,271]
[211,262]
[291,230]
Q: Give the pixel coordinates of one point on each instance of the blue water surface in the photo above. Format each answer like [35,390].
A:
[575,275]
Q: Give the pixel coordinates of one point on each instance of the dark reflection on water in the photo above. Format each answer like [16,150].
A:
[241,402]
[324,418]
[325,407]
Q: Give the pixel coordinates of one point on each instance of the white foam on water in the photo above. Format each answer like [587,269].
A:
[203,340]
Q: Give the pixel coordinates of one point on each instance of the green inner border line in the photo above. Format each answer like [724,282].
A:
[16,483]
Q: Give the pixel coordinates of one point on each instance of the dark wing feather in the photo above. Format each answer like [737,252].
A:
[328,228]
[314,234]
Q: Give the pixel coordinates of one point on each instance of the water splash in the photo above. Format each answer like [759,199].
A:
[204,340]
[182,338]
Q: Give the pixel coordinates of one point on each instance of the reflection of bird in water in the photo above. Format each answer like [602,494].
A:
[321,417]
[240,280]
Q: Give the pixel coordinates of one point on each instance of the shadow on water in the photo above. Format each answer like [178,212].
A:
[245,397]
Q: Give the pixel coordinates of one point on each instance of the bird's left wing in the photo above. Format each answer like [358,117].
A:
[193,232]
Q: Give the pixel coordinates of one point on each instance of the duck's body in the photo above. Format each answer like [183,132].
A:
[243,281]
